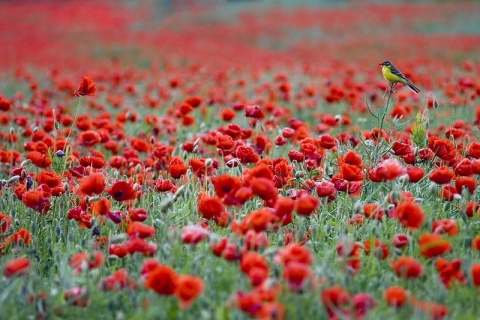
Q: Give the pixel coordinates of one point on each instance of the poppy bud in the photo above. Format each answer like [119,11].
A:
[13,179]
[25,163]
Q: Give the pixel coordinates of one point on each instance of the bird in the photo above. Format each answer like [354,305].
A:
[392,75]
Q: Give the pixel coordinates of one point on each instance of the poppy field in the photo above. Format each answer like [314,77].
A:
[239,160]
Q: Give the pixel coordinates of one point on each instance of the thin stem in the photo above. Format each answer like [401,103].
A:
[73,123]
[380,125]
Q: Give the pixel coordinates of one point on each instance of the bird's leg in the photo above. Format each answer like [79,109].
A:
[392,86]
[384,94]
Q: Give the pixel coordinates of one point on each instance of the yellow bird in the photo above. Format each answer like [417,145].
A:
[392,75]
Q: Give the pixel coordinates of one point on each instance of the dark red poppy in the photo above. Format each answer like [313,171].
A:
[122,191]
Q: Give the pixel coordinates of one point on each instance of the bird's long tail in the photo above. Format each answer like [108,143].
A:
[411,86]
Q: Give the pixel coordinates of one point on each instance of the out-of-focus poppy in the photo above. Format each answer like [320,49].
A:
[15,267]
[406,267]
[395,296]
[162,279]
[188,288]
[432,245]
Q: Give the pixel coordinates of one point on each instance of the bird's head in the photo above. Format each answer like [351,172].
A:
[386,63]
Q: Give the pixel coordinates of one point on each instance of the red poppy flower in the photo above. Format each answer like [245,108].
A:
[409,214]
[294,252]
[400,240]
[5,105]
[469,183]
[248,302]
[327,141]
[387,170]
[362,303]
[86,88]
[351,172]
[48,178]
[476,243]
[373,211]
[37,200]
[255,240]
[448,226]
[432,245]
[450,271]
[260,220]
[117,281]
[306,205]
[415,174]
[380,249]
[92,184]
[193,234]
[210,207]
[15,267]
[22,236]
[441,175]
[251,261]
[137,214]
[177,167]
[448,192]
[475,274]
[271,310]
[407,267]
[5,223]
[264,189]
[188,288]
[473,149]
[395,296]
[101,206]
[225,185]
[464,167]
[325,189]
[254,111]
[334,300]
[89,138]
[472,208]
[122,191]
[296,274]
[83,260]
[139,230]
[119,250]
[162,279]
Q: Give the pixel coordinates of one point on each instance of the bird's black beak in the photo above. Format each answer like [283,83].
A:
[380,64]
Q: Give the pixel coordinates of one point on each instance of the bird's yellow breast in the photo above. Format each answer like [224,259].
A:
[390,77]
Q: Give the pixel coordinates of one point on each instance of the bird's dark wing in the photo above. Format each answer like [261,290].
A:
[397,73]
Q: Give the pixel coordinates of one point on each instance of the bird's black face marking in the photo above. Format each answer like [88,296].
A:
[386,63]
